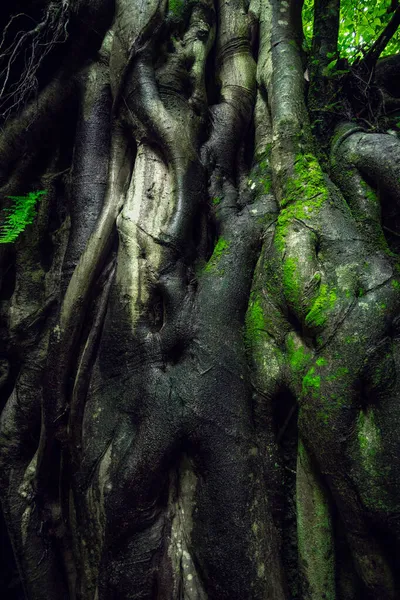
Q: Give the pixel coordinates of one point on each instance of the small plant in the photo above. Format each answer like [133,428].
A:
[16,218]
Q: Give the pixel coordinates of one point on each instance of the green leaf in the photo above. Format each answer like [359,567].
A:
[361,23]
[15,219]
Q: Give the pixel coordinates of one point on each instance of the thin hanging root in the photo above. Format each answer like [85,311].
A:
[83,373]
[36,44]
[66,334]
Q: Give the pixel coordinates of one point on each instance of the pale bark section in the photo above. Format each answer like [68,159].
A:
[261,12]
[147,210]
[238,66]
[188,585]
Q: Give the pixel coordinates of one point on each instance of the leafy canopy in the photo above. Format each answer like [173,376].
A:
[361,22]
[21,214]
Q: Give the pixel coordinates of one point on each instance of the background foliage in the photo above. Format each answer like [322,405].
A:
[361,23]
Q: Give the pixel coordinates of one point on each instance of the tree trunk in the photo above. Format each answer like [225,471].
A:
[200,330]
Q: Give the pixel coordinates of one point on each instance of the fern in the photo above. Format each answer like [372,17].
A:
[19,216]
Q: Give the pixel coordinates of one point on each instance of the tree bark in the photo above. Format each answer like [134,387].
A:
[200,331]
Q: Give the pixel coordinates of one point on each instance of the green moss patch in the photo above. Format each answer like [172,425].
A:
[298,358]
[291,282]
[176,7]
[370,194]
[254,321]
[311,382]
[395,284]
[321,362]
[221,248]
[323,303]
[304,196]
[338,374]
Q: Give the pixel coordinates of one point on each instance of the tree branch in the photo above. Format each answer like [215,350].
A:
[380,44]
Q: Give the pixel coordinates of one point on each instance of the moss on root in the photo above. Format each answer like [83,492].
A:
[254,321]
[369,192]
[304,196]
[291,285]
[311,383]
[322,304]
[319,384]
[221,249]
[298,357]
[176,7]
[396,284]
[260,178]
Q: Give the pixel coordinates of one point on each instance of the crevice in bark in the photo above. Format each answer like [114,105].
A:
[10,583]
[8,274]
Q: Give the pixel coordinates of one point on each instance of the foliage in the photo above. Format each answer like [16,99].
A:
[19,216]
[361,23]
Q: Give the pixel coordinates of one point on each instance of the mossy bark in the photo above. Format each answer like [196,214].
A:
[200,331]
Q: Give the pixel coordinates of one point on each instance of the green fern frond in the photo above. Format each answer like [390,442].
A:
[16,218]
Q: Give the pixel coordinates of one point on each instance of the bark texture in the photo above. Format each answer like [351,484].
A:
[200,334]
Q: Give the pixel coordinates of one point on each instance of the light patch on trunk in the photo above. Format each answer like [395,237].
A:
[25,490]
[147,210]
[188,585]
[25,523]
[104,479]
[369,437]
[95,494]
[238,70]
[264,62]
